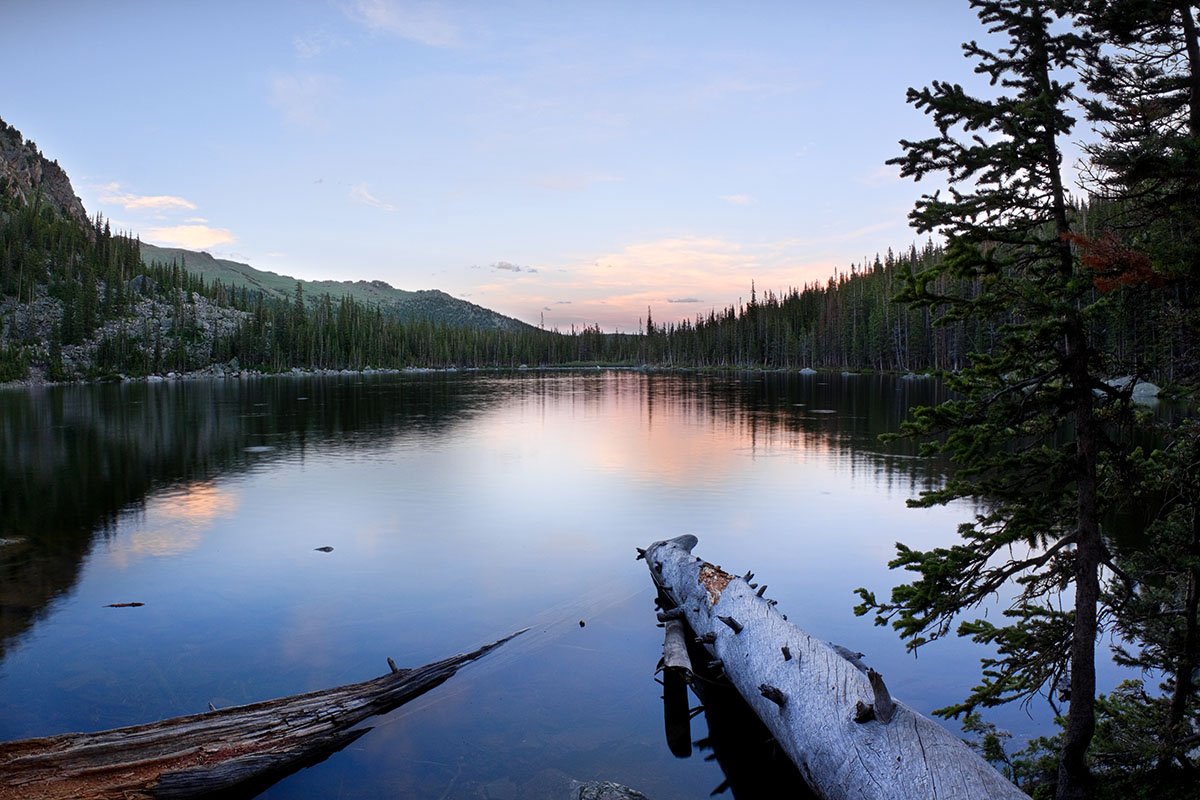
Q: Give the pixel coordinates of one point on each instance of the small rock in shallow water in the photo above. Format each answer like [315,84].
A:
[125,605]
[603,790]
[581,623]
[325,549]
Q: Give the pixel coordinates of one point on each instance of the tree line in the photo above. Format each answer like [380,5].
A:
[852,321]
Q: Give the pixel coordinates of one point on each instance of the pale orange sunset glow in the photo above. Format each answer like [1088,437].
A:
[176,522]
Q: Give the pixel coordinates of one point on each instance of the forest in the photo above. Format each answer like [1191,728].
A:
[1029,295]
[851,322]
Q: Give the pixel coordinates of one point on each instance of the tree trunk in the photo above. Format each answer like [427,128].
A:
[1189,658]
[833,717]
[1074,776]
[244,748]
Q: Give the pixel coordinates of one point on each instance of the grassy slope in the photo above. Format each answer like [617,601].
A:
[428,303]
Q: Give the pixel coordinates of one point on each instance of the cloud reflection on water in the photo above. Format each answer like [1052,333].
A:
[174,522]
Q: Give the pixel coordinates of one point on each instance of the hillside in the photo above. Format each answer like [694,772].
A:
[405,306]
[78,301]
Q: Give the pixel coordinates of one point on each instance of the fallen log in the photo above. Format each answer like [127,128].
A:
[239,749]
[845,733]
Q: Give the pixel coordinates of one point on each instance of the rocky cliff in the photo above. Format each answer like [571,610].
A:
[26,175]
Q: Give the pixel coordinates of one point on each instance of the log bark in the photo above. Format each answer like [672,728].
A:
[825,712]
[675,653]
[240,749]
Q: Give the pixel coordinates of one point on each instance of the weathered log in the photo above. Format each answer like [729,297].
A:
[677,673]
[807,694]
[235,748]
[751,761]
[675,653]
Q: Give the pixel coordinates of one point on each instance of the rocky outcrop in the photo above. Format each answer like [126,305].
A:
[150,324]
[26,175]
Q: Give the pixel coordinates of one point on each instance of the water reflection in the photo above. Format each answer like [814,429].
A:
[460,507]
[75,459]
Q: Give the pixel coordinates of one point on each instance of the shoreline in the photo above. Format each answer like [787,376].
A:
[224,372]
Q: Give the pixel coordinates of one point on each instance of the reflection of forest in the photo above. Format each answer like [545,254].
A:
[828,412]
[73,458]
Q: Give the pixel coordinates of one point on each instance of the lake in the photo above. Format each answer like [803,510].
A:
[460,507]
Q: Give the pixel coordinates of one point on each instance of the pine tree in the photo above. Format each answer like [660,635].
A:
[1143,73]
[1009,263]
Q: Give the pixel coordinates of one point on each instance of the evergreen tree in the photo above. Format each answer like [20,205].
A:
[1028,427]
[1143,73]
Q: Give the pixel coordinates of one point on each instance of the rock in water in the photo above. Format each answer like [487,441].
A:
[603,790]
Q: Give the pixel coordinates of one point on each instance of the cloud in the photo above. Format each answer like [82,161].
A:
[197,220]
[362,194]
[738,199]
[614,288]
[882,175]
[191,237]
[301,98]
[508,266]
[111,193]
[676,276]
[422,22]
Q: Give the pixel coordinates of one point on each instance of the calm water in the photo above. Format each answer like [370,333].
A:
[460,508]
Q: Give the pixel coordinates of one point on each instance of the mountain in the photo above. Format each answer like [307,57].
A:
[406,306]
[26,176]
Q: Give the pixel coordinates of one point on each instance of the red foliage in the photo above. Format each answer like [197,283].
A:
[1114,263]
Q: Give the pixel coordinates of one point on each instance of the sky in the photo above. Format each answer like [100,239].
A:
[565,163]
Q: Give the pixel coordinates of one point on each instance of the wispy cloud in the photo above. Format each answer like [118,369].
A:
[738,199]
[192,237]
[422,22]
[362,194]
[112,193]
[882,175]
[841,237]
[508,266]
[614,288]
[302,98]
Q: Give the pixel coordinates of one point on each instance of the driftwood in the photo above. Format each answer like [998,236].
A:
[675,652]
[848,737]
[241,749]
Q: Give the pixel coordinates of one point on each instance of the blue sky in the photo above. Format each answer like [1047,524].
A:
[577,160]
